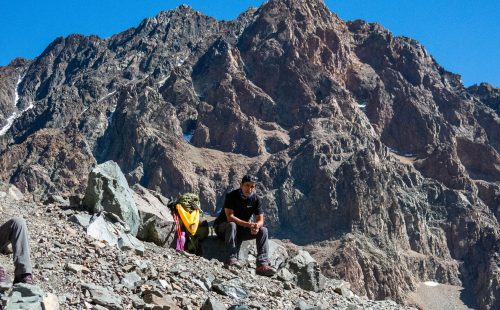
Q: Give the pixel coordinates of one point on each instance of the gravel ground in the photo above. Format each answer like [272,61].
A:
[67,261]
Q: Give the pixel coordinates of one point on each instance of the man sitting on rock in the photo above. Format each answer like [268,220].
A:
[14,231]
[234,225]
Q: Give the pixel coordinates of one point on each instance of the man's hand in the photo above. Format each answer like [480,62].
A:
[254,228]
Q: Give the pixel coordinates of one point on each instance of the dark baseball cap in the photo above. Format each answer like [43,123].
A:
[249,178]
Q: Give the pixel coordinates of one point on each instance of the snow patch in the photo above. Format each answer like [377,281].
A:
[108,95]
[163,80]
[188,136]
[431,283]
[16,114]
[109,114]
[16,100]
[110,117]
[181,61]
[10,121]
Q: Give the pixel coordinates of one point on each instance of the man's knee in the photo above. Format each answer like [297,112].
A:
[231,226]
[18,223]
[263,231]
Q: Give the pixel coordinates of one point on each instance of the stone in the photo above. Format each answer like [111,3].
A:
[233,288]
[152,297]
[340,287]
[137,302]
[239,307]
[108,191]
[104,297]
[157,224]
[128,242]
[308,272]
[25,296]
[285,275]
[212,304]
[76,268]
[131,280]
[102,229]
[302,305]
[81,219]
[57,200]
[50,302]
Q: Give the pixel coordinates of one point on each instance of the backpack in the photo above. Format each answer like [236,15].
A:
[191,230]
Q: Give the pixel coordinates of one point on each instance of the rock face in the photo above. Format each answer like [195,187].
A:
[362,142]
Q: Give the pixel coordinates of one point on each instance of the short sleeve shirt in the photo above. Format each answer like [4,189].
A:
[243,208]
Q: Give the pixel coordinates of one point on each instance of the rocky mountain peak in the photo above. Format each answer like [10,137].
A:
[363,143]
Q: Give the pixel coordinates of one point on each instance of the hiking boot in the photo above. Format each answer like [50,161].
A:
[265,270]
[4,282]
[24,278]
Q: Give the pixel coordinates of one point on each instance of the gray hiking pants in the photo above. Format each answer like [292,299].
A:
[14,231]
[234,235]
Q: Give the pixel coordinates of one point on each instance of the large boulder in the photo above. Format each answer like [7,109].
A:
[108,191]
[308,272]
[157,224]
[214,247]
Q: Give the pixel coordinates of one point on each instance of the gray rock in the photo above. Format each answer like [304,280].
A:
[308,272]
[108,190]
[212,304]
[81,219]
[340,287]
[131,280]
[302,305]
[137,302]
[102,229]
[128,242]
[285,275]
[76,268]
[233,288]
[25,296]
[208,279]
[354,307]
[157,224]
[239,307]
[104,297]
[58,200]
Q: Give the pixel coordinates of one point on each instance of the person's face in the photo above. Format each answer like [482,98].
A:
[247,188]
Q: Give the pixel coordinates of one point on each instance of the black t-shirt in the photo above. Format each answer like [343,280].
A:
[243,208]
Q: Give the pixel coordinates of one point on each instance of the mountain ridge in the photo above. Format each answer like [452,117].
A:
[311,105]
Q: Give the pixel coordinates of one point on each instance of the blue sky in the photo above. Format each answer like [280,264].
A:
[462,35]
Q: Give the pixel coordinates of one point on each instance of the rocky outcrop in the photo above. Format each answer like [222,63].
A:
[108,191]
[359,137]
[157,223]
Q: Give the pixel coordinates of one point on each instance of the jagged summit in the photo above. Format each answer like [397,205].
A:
[361,141]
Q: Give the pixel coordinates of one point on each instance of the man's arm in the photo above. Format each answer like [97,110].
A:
[231,218]
[259,220]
